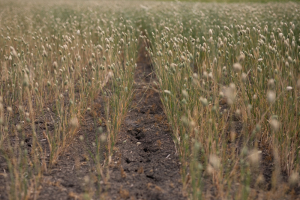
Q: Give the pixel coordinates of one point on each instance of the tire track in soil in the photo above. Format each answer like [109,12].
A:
[145,164]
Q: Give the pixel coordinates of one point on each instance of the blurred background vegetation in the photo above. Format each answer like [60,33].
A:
[234,1]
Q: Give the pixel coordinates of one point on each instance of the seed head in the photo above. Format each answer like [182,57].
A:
[26,80]
[185,120]
[232,136]
[103,138]
[9,109]
[254,157]
[185,94]
[260,179]
[110,74]
[288,88]
[74,122]
[167,92]
[287,64]
[215,61]
[55,64]
[195,76]
[13,51]
[210,75]
[294,179]
[19,128]
[45,54]
[230,93]
[275,125]
[214,161]
[237,67]
[244,77]
[242,57]
[81,138]
[204,101]
[86,179]
[238,112]
[271,96]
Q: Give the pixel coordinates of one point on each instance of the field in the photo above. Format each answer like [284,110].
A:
[149,100]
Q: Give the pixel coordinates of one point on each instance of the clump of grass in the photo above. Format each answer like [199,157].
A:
[229,76]
[55,61]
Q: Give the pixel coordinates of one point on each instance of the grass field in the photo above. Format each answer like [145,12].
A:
[227,75]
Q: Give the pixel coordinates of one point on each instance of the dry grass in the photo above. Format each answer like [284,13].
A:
[56,59]
[228,78]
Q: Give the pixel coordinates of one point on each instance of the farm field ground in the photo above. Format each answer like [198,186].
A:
[149,100]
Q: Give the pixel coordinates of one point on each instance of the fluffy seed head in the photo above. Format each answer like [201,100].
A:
[241,57]
[195,76]
[9,109]
[185,94]
[274,123]
[254,157]
[288,88]
[294,179]
[271,96]
[26,80]
[237,67]
[167,92]
[230,93]
[13,51]
[103,138]
[260,179]
[74,122]
[210,32]
[204,101]
[244,77]
[55,64]
[214,161]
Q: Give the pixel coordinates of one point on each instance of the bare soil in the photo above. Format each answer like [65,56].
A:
[145,164]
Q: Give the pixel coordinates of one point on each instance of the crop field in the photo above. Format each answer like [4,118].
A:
[149,100]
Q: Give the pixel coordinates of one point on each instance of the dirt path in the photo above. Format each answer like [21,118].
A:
[145,164]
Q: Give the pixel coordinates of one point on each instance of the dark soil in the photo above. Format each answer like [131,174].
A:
[4,169]
[145,164]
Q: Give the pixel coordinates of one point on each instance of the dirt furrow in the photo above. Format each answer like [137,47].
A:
[145,164]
